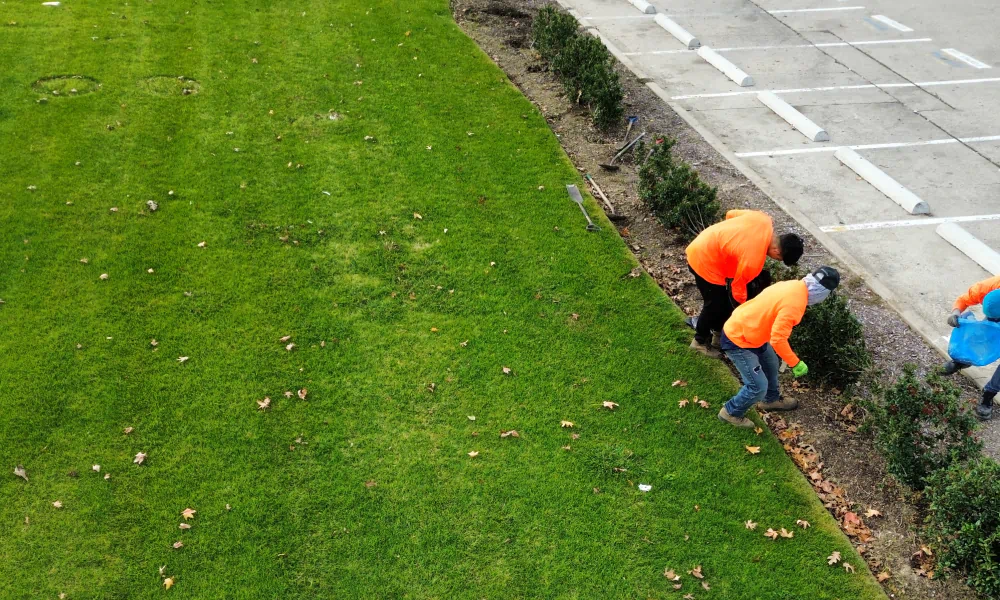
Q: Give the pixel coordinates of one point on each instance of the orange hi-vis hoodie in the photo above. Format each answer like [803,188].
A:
[733,249]
[769,319]
[976,293]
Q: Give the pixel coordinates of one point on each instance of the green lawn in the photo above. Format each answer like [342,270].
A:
[402,328]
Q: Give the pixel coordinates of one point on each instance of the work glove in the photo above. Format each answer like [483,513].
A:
[800,369]
[953,318]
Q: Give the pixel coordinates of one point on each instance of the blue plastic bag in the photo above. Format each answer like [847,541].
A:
[974,342]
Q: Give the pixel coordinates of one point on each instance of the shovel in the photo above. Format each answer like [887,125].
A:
[574,195]
[612,166]
[631,121]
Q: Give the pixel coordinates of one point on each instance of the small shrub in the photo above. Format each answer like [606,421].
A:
[781,272]
[675,193]
[832,342]
[963,522]
[587,71]
[552,30]
[920,427]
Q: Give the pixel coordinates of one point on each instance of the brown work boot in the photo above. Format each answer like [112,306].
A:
[743,422]
[781,404]
[706,349]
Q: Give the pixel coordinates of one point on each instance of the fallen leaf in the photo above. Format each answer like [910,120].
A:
[785,533]
[289,393]
[290,347]
[107,476]
[188,513]
[472,417]
[883,576]
[178,545]
[168,582]
[682,403]
[163,570]
[139,458]
[302,393]
[464,344]
[566,424]
[96,468]
[20,472]
[370,483]
[802,524]
[473,454]
[417,216]
[688,596]
[696,572]
[926,551]
[701,403]
[511,433]
[184,526]
[705,585]
[574,436]
[154,343]
[506,370]
[229,507]
[104,276]
[771,534]
[610,405]
[129,430]
[669,574]
[750,525]
[849,567]
[201,244]
[871,512]
[575,317]
[833,558]
[567,448]
[182,359]
[57,504]
[285,338]
[264,404]
[753,449]
[679,383]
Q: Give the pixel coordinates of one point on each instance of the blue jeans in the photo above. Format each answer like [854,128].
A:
[758,368]
[994,383]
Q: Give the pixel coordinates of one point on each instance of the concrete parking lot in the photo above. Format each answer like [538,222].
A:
[911,85]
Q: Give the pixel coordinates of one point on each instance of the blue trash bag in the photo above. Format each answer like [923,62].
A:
[975,342]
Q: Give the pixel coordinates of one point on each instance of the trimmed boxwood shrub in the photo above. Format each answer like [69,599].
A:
[675,193]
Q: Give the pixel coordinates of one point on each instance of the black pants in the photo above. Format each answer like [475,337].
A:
[719,304]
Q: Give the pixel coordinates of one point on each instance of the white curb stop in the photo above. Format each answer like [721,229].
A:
[985,257]
[796,119]
[644,6]
[729,69]
[678,32]
[882,182]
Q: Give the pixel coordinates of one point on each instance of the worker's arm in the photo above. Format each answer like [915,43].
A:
[747,270]
[781,330]
[976,293]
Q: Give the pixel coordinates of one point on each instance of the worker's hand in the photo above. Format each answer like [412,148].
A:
[953,318]
[800,369]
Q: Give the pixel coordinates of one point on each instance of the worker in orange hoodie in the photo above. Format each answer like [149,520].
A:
[757,334]
[724,258]
[985,293]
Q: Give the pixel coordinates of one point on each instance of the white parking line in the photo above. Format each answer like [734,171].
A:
[965,58]
[812,150]
[891,23]
[808,10]
[907,223]
[863,86]
[820,45]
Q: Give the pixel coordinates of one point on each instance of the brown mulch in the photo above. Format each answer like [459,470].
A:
[822,435]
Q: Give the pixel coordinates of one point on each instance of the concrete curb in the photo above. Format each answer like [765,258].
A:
[796,119]
[678,32]
[728,69]
[882,182]
[644,6]
[971,246]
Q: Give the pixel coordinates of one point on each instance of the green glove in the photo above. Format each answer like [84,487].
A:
[800,369]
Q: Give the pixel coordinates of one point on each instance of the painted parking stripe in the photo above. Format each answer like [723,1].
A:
[907,223]
[863,86]
[810,10]
[791,46]
[891,23]
[965,58]
[813,150]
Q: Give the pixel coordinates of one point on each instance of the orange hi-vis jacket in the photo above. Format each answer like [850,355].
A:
[976,293]
[733,249]
[769,319]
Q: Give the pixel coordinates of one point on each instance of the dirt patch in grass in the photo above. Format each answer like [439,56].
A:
[66,86]
[166,85]
[502,29]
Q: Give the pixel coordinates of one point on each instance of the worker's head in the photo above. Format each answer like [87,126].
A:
[787,248]
[991,306]
[821,282]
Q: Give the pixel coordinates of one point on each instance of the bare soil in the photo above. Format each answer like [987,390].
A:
[502,29]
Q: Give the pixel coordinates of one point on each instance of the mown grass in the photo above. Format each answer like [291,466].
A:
[359,283]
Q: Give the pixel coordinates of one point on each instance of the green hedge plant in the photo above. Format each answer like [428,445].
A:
[675,193]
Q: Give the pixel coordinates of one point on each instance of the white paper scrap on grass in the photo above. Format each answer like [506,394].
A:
[50,4]
[644,487]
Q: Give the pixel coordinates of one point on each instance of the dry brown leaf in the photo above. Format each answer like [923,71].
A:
[688,596]
[785,533]
[57,504]
[184,526]
[178,545]
[926,551]
[849,567]
[153,342]
[163,570]
[464,344]
[871,512]
[574,436]
[511,433]
[701,403]
[129,430]
[417,216]
[750,525]
[758,430]
[20,472]
[139,458]
[753,449]
[264,404]
[370,483]
[705,585]
[302,393]
[434,329]
[682,403]
[609,405]
[696,572]
[771,533]
[289,393]
[883,576]
[506,370]
[833,558]
[201,244]
[473,454]
[284,338]
[566,424]
[188,513]
[567,448]
[183,359]
[669,574]
[679,383]
[802,524]
[168,582]
[290,347]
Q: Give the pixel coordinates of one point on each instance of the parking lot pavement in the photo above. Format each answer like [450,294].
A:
[911,85]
